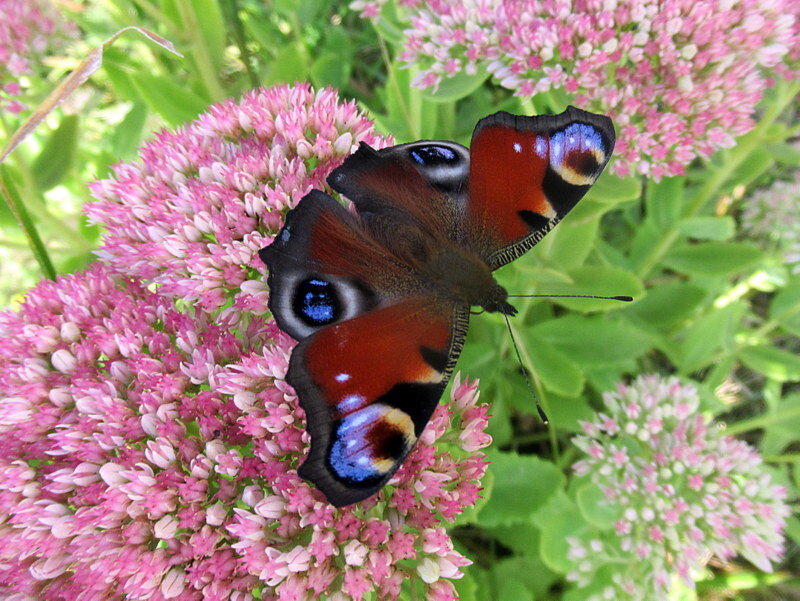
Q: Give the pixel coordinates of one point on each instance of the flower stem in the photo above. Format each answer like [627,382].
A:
[761,421]
[738,581]
[231,8]
[9,193]
[202,59]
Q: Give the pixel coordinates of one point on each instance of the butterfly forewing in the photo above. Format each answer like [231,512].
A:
[527,173]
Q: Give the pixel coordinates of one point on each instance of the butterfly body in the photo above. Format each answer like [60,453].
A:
[379,297]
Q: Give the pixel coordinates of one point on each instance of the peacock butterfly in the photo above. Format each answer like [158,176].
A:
[380,297]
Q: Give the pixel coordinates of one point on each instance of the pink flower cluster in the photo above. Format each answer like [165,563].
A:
[680,78]
[684,492]
[28,28]
[191,216]
[149,454]
[772,215]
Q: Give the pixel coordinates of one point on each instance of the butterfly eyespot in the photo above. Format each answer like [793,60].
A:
[443,164]
[390,432]
[433,155]
[316,302]
[578,153]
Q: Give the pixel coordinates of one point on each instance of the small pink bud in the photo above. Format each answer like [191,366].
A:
[166,527]
[428,570]
[63,361]
[216,514]
[173,583]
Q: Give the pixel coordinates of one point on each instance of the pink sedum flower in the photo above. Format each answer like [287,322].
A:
[149,454]
[28,30]
[680,79]
[771,216]
[685,492]
[191,215]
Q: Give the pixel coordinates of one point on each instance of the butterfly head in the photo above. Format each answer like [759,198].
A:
[498,303]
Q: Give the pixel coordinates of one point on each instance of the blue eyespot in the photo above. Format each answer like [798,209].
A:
[575,140]
[316,302]
[352,456]
[430,156]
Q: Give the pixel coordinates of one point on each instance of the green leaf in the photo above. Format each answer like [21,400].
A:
[558,519]
[458,86]
[522,484]
[511,589]
[713,258]
[594,341]
[291,64]
[330,70]
[595,507]
[756,163]
[613,189]
[667,304]
[58,154]
[707,335]
[773,362]
[783,153]
[333,64]
[127,135]
[116,65]
[522,538]
[597,280]
[785,307]
[570,243]
[783,432]
[793,528]
[172,101]
[500,428]
[467,587]
[565,412]
[305,11]
[520,578]
[555,369]
[212,29]
[645,237]
[664,201]
[607,377]
[708,228]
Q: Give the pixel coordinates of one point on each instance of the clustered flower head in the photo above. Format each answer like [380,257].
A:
[680,78]
[28,28]
[146,453]
[772,215]
[685,491]
[192,215]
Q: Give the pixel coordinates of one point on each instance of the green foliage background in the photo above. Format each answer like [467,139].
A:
[711,306]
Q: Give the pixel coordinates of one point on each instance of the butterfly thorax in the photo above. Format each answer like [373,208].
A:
[461,276]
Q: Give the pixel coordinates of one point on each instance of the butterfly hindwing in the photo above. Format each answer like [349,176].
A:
[526,173]
[369,386]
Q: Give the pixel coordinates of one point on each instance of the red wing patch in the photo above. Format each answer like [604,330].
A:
[506,175]
[369,386]
[526,173]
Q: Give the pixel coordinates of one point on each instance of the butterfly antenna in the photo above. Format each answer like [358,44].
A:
[626,299]
[542,414]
